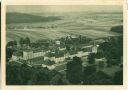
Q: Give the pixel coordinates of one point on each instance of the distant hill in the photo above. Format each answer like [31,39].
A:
[28,18]
[118,29]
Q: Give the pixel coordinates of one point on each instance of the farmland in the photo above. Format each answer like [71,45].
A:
[54,25]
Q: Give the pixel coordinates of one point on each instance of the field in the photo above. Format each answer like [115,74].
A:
[52,25]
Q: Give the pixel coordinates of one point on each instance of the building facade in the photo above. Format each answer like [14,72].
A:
[30,54]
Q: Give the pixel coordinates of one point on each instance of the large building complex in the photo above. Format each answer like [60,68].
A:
[30,54]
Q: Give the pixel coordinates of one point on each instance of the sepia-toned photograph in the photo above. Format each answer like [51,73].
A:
[64,45]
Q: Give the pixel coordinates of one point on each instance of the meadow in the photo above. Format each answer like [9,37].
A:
[54,25]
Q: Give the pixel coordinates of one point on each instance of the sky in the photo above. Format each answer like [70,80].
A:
[60,8]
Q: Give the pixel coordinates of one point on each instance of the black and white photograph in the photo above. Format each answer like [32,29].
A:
[64,45]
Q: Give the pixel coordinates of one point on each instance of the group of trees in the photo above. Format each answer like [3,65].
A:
[24,41]
[21,42]
[13,48]
[74,71]
[89,75]
[11,43]
[91,58]
[77,40]
[22,74]
[44,43]
[112,50]
[9,52]
[118,29]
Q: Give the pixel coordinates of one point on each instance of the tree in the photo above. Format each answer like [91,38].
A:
[74,70]
[13,76]
[9,52]
[99,54]
[11,43]
[40,76]
[56,80]
[99,78]
[101,64]
[118,78]
[25,72]
[27,41]
[22,74]
[14,42]
[80,39]
[88,71]
[118,29]
[68,48]
[49,62]
[21,41]
[91,58]
[18,74]
[112,49]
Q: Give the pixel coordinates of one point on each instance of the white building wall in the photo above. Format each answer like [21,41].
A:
[27,55]
[94,49]
[45,58]
[38,54]
[14,58]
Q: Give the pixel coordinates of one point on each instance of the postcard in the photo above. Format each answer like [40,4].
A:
[64,44]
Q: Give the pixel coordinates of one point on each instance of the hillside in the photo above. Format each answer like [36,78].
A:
[118,29]
[28,18]
[52,26]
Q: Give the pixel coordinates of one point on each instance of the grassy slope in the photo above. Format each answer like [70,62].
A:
[94,25]
[28,18]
